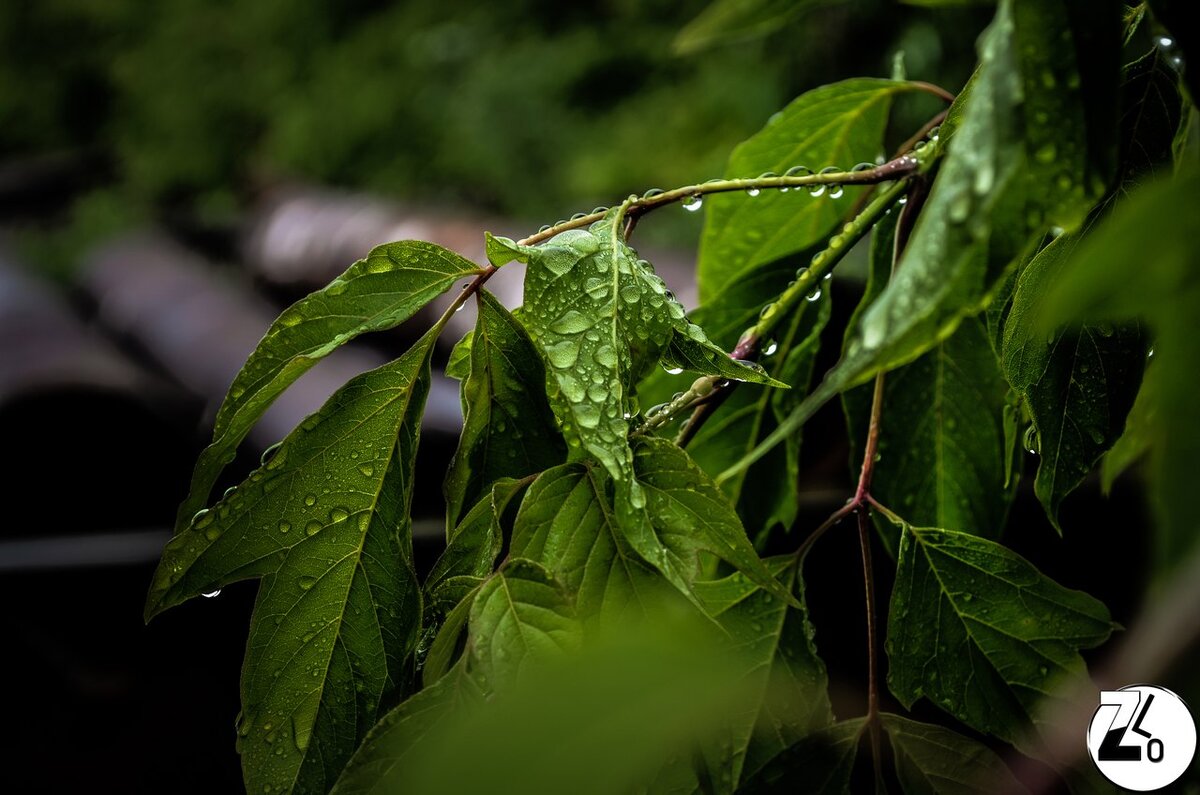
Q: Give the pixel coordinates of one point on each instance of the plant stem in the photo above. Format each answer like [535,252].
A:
[634,207]
[873,722]
[806,281]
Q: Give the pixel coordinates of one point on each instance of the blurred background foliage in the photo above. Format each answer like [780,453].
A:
[530,108]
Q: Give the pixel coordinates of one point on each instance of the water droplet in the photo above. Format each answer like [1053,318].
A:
[863,167]
[310,500]
[313,527]
[339,514]
[835,191]
[211,594]
[563,354]
[650,194]
[202,519]
[771,348]
[306,582]
[672,370]
[752,192]
[693,203]
[817,190]
[767,311]
[814,295]
[285,527]
[1046,152]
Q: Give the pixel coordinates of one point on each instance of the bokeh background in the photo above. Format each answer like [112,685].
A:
[173,173]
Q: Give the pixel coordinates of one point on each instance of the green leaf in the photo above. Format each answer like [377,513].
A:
[1069,59]
[478,539]
[943,459]
[839,124]
[521,617]
[376,293]
[508,428]
[984,635]
[1152,228]
[568,523]
[325,524]
[1078,384]
[394,744]
[698,354]
[818,764]
[1138,435]
[725,21]
[931,760]
[985,201]
[445,644]
[786,677]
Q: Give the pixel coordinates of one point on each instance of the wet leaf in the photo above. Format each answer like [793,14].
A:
[325,525]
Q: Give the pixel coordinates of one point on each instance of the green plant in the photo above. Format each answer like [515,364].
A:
[585,524]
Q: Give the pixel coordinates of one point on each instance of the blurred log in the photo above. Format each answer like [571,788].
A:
[200,324]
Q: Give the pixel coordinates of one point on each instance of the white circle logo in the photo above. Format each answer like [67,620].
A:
[1142,737]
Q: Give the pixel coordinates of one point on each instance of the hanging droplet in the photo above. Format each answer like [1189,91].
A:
[814,295]
[693,203]
[672,370]
[835,191]
[1150,353]
[772,346]
[752,192]
[211,594]
[902,201]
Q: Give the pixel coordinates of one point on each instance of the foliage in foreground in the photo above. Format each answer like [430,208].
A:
[602,591]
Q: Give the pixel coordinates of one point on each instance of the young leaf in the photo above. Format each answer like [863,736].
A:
[325,524]
[520,616]
[788,678]
[567,522]
[696,353]
[983,634]
[1078,385]
[508,428]
[820,763]
[839,124]
[376,293]
[931,760]
[942,448]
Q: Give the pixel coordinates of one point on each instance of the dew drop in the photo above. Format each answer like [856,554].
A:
[306,582]
[312,528]
[285,527]
[672,370]
[771,348]
[211,594]
[835,191]
[752,192]
[310,500]
[693,203]
[814,295]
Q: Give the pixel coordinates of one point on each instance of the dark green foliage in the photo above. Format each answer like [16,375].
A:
[600,620]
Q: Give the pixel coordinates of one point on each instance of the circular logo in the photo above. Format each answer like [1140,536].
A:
[1142,737]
